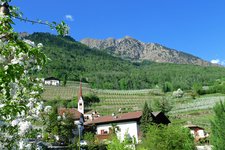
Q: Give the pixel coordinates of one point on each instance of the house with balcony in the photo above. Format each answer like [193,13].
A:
[128,125]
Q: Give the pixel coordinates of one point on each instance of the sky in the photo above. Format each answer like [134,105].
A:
[196,27]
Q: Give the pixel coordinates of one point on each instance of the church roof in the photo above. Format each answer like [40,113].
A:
[72,112]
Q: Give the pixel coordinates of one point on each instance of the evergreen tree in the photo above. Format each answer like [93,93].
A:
[218,127]
[146,118]
[164,105]
[167,87]
[65,80]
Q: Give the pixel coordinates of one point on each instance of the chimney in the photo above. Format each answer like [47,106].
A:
[114,115]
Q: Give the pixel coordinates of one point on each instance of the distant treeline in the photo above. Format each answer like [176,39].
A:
[76,61]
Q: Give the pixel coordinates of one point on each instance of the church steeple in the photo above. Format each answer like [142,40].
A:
[80,100]
[80,90]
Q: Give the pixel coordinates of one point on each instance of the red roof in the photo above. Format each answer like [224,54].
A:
[119,118]
[191,126]
[72,112]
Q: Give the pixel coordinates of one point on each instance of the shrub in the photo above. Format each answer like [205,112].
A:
[218,127]
[167,138]
[178,94]
[116,144]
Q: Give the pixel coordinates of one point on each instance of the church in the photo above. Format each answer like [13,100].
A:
[78,114]
[128,123]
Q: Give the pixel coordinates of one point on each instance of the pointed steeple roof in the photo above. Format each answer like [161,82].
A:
[80,90]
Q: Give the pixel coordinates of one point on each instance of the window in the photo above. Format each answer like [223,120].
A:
[104,132]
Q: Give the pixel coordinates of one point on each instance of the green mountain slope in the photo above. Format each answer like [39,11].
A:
[102,70]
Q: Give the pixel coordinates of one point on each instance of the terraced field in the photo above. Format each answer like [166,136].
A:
[115,101]
[111,101]
[202,103]
[197,111]
[67,92]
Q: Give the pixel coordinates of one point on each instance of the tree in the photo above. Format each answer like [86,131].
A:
[89,137]
[59,128]
[65,79]
[146,118]
[196,89]
[218,127]
[90,99]
[116,144]
[167,138]
[114,129]
[20,61]
[163,105]
[167,87]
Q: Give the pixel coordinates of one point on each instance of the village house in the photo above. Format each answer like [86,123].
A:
[198,132]
[128,124]
[72,113]
[52,81]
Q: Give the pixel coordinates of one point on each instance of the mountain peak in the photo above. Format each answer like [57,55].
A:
[128,37]
[131,48]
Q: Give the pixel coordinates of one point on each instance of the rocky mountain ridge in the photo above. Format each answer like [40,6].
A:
[131,48]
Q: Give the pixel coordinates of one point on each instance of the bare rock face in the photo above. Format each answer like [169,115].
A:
[23,34]
[128,47]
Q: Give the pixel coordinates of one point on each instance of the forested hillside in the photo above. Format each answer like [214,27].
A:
[101,70]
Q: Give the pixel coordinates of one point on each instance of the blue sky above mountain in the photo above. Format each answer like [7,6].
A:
[195,27]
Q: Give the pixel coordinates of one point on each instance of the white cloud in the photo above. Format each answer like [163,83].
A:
[69,17]
[222,62]
[217,61]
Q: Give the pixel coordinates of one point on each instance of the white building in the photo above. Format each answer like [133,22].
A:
[197,132]
[52,81]
[127,123]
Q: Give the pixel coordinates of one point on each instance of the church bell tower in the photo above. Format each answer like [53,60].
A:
[80,100]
